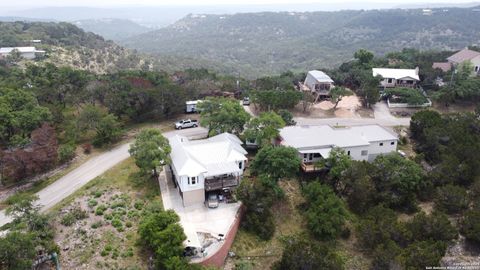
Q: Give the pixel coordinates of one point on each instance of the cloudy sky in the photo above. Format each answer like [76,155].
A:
[23,3]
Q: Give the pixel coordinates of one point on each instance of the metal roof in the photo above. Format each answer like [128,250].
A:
[20,49]
[213,156]
[463,55]
[318,137]
[396,73]
[318,76]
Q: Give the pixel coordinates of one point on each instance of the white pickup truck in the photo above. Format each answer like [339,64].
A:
[187,123]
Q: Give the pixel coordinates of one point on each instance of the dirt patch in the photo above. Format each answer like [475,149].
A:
[347,108]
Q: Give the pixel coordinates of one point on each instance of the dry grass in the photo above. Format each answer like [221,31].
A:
[106,246]
[288,221]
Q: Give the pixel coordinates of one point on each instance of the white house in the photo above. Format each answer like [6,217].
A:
[25,52]
[201,166]
[314,143]
[393,77]
[318,82]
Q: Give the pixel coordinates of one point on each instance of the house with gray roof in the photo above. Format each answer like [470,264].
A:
[209,165]
[318,82]
[314,143]
[461,57]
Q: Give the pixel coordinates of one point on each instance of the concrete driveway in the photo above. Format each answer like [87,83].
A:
[198,219]
[71,182]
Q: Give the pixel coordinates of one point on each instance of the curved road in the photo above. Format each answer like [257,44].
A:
[74,180]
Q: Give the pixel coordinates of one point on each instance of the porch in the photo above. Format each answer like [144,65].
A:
[221,181]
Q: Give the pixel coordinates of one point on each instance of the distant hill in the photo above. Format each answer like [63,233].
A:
[112,29]
[254,44]
[68,45]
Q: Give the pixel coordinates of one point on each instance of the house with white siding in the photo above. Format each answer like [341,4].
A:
[395,77]
[208,165]
[25,52]
[318,82]
[314,143]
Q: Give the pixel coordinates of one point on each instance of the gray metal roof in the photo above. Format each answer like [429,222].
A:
[319,76]
[305,137]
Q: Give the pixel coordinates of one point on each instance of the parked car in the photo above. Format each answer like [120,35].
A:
[212,200]
[246,101]
[187,123]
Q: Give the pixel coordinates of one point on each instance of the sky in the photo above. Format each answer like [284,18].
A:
[110,3]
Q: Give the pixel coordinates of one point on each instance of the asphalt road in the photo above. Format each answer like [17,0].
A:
[74,180]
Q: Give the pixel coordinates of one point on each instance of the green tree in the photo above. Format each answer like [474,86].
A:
[258,196]
[397,180]
[470,226]
[17,251]
[325,212]
[107,131]
[338,163]
[150,150]
[422,254]
[379,226]
[435,226]
[337,93]
[264,128]
[276,162]
[287,117]
[161,232]
[363,56]
[223,115]
[276,99]
[451,199]
[20,114]
[301,253]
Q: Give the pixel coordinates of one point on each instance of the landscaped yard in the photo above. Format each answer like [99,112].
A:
[96,227]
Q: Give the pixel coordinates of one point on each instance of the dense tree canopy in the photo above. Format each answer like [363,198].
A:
[264,128]
[150,150]
[325,212]
[276,162]
[223,115]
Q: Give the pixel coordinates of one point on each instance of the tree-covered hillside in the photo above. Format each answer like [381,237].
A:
[112,29]
[67,45]
[254,44]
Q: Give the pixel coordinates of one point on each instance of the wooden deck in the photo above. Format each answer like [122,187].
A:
[310,167]
[219,183]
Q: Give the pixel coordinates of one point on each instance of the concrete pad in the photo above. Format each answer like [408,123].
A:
[198,217]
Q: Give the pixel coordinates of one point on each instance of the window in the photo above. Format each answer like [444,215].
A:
[304,155]
[477,68]
[240,165]
[364,152]
[316,155]
[188,180]
[194,180]
[390,80]
[381,144]
[348,153]
[392,143]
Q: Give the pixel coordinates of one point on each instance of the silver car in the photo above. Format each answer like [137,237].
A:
[212,201]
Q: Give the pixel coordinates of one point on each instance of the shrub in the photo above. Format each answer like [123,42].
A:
[303,253]
[451,199]
[68,219]
[79,213]
[138,205]
[420,255]
[92,203]
[97,194]
[100,209]
[96,225]
[87,148]
[471,225]
[117,223]
[325,212]
[435,226]
[66,152]
[128,224]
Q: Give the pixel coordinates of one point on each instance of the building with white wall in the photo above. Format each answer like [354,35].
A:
[314,143]
[395,77]
[25,52]
[209,165]
[318,82]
